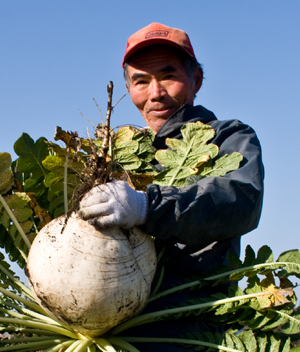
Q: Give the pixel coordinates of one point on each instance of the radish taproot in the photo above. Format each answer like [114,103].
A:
[87,279]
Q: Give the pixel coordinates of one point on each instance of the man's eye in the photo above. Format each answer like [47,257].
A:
[140,82]
[169,76]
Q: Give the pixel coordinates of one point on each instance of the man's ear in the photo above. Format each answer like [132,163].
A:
[127,87]
[198,79]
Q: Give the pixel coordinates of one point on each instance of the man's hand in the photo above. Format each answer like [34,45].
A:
[114,204]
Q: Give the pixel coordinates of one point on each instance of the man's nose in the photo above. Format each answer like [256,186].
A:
[157,91]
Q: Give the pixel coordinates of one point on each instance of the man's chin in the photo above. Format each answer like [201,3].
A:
[157,124]
[156,119]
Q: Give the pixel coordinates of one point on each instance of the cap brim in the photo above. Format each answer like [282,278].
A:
[152,41]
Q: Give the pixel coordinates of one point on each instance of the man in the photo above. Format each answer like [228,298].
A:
[201,223]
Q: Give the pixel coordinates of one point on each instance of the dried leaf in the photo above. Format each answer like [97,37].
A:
[141,181]
[71,139]
[124,134]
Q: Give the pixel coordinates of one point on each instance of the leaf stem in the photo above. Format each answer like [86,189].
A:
[120,342]
[179,341]
[34,225]
[180,166]
[31,339]
[104,345]
[31,345]
[24,288]
[29,313]
[15,221]
[72,347]
[18,329]
[158,283]
[66,182]
[83,345]
[91,348]
[12,313]
[105,142]
[215,277]
[25,301]
[247,268]
[158,315]
[38,325]
[60,347]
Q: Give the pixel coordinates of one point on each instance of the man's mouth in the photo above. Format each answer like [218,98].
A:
[161,112]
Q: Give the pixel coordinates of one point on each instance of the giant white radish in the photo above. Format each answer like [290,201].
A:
[87,279]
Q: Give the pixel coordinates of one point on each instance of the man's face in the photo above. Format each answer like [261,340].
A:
[158,85]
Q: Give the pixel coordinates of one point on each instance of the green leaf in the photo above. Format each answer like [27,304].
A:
[14,244]
[17,200]
[6,175]
[34,185]
[223,165]
[129,146]
[262,319]
[274,343]
[279,317]
[198,133]
[132,149]
[8,244]
[249,256]
[6,278]
[166,177]
[232,341]
[125,133]
[145,147]
[5,161]
[262,342]
[22,214]
[248,339]
[56,203]
[292,258]
[31,154]
[192,156]
[234,261]
[53,177]
[264,255]
[292,325]
[56,164]
[6,180]
[128,161]
[59,211]
[175,144]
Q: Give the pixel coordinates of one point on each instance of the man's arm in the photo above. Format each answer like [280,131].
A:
[214,208]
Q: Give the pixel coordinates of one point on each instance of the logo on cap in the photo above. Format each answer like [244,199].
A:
[158,33]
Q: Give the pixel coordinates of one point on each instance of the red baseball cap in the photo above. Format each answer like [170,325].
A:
[157,33]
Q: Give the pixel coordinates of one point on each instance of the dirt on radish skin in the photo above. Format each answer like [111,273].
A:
[87,279]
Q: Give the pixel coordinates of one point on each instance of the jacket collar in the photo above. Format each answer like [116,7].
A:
[187,113]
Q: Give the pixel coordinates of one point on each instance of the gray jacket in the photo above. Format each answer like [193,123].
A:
[203,222]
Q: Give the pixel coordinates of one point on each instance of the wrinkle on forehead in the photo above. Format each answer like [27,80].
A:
[166,69]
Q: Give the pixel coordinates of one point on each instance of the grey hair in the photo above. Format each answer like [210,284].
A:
[189,63]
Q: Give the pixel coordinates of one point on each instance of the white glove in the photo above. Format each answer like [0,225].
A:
[114,204]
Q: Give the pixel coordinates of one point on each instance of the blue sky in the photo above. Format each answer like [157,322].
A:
[56,56]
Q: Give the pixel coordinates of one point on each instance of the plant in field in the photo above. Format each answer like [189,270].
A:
[60,314]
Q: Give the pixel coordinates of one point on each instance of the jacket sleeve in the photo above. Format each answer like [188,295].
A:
[214,208]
